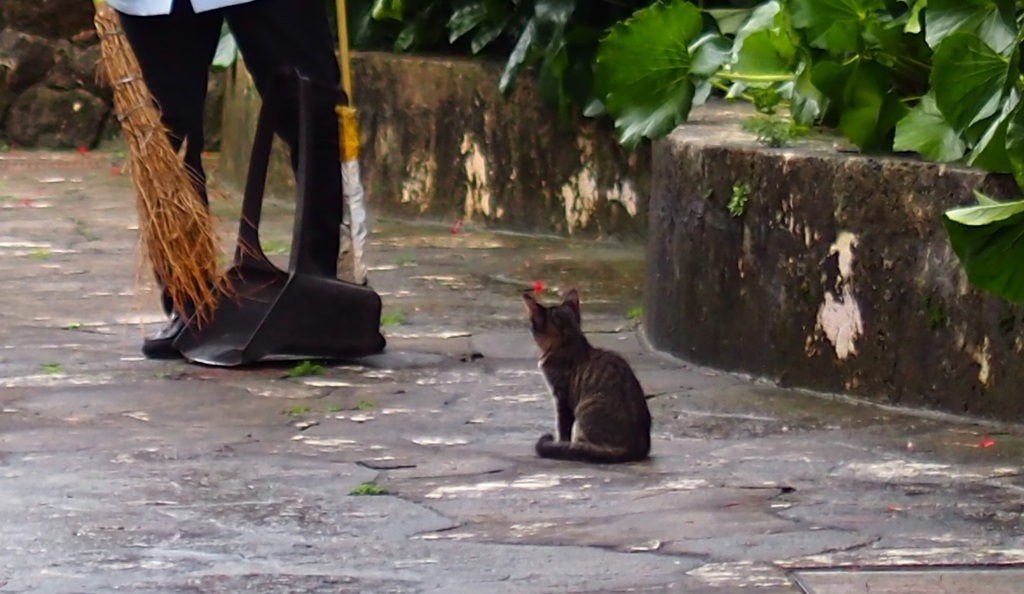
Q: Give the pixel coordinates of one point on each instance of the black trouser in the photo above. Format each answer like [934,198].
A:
[175,52]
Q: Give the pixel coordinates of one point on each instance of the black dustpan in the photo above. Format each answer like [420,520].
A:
[270,314]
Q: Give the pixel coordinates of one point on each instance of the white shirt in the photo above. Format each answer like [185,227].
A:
[161,7]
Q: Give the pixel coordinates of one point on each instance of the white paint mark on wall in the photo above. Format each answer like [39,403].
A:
[384,140]
[478,193]
[581,194]
[624,194]
[580,197]
[983,359]
[839,318]
[419,181]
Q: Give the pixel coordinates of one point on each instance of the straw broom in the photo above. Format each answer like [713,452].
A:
[178,238]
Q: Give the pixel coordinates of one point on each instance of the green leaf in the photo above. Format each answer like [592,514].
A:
[1015,144]
[887,35]
[969,79]
[806,101]
[762,51]
[985,200]
[226,51]
[870,109]
[543,32]
[861,102]
[990,153]
[758,61]
[549,83]
[552,16]
[709,52]
[636,123]
[988,213]
[517,59]
[643,68]
[991,20]
[925,131]
[913,24]
[830,77]
[833,25]
[486,34]
[594,108]
[387,9]
[407,37]
[465,19]
[988,239]
[761,19]
[702,92]
[729,20]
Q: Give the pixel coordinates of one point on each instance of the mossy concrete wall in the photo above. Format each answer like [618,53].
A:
[439,142]
[837,276]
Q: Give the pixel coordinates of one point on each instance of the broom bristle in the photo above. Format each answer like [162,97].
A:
[178,235]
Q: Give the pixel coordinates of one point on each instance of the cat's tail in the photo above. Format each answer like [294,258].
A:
[581,451]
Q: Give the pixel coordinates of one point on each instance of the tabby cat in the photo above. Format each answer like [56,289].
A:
[600,409]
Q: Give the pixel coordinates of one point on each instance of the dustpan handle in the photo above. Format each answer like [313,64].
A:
[312,95]
[256,179]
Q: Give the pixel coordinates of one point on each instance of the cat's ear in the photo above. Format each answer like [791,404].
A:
[572,299]
[534,309]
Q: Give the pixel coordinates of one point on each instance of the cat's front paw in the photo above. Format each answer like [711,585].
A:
[546,438]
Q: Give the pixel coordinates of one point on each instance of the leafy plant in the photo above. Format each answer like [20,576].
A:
[297,411]
[305,368]
[738,200]
[773,131]
[50,368]
[274,248]
[556,39]
[395,318]
[365,405]
[368,489]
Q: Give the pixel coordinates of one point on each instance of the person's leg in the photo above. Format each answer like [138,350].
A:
[273,35]
[174,53]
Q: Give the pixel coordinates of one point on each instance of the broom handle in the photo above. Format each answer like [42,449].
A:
[346,71]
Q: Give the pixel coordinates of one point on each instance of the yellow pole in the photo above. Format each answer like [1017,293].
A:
[347,113]
[346,70]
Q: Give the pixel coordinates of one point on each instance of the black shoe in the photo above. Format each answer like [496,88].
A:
[161,344]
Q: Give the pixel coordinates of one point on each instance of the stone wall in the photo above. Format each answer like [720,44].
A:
[837,276]
[439,142]
[49,95]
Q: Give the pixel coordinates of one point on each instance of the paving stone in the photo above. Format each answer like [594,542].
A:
[971,581]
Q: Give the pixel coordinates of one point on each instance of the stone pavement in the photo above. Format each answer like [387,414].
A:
[120,474]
